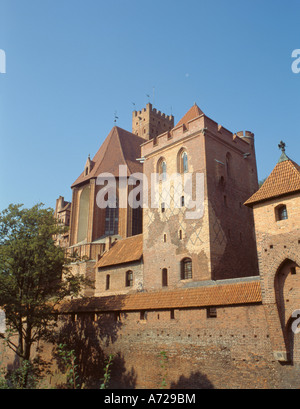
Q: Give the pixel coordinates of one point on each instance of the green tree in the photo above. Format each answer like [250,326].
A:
[34,275]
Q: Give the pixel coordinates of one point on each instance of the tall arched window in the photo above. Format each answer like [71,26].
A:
[162,168]
[83,217]
[182,161]
[186,269]
[112,219]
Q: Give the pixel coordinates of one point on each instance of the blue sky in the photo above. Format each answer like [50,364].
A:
[71,64]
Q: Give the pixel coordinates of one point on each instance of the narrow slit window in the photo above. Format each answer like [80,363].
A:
[107,285]
[164,277]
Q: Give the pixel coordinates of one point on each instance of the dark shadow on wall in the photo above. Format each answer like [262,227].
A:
[195,381]
[88,334]
[120,377]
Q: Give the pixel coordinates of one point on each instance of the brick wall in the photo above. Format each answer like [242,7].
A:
[117,279]
[232,350]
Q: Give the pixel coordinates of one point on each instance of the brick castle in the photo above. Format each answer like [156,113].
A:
[217,293]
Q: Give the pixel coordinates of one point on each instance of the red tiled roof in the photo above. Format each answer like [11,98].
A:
[284,179]
[119,148]
[192,113]
[123,251]
[204,296]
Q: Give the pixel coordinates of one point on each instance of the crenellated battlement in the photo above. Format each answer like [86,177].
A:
[201,124]
[149,109]
[149,122]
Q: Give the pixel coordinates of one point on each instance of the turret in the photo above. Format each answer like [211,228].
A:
[149,123]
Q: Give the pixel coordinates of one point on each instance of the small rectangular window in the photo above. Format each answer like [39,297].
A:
[129,279]
[143,315]
[281,213]
[211,312]
[172,314]
[163,207]
[293,270]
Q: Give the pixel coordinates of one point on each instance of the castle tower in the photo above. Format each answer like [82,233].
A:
[149,123]
[182,248]
[277,226]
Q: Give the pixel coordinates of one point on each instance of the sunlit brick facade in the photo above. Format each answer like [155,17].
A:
[218,293]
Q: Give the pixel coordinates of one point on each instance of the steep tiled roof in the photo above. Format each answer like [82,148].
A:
[204,296]
[123,251]
[192,113]
[119,148]
[284,179]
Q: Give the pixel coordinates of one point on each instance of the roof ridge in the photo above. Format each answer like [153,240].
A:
[296,167]
[203,296]
[106,147]
[122,152]
[190,114]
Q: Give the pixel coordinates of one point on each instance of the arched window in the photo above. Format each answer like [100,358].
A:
[162,169]
[164,277]
[182,161]
[129,278]
[186,269]
[281,213]
[83,217]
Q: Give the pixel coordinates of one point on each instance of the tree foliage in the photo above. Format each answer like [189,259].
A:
[34,274]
